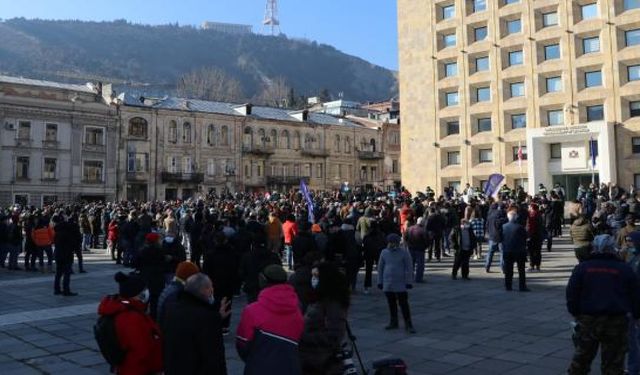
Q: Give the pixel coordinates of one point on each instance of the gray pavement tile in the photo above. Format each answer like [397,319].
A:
[433,368]
[496,365]
[459,359]
[517,356]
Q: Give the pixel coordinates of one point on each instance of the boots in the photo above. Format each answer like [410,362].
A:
[392,325]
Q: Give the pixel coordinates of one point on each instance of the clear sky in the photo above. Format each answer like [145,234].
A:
[364,28]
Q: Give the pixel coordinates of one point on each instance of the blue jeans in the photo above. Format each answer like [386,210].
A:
[418,264]
[86,241]
[445,240]
[288,254]
[633,358]
[493,247]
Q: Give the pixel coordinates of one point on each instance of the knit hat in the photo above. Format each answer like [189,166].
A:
[152,237]
[275,274]
[604,244]
[315,228]
[129,285]
[186,269]
[394,238]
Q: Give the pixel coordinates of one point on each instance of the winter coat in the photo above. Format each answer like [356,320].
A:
[416,238]
[300,280]
[269,331]
[67,240]
[324,331]
[152,265]
[290,230]
[495,220]
[581,232]
[456,238]
[534,225]
[43,236]
[112,234]
[138,335]
[222,265]
[167,299]
[373,245]
[514,238]
[251,265]
[303,244]
[322,241]
[395,270]
[193,338]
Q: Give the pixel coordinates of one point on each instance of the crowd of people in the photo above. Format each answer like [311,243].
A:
[190,259]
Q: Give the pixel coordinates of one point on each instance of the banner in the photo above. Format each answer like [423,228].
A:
[305,193]
[493,184]
[593,148]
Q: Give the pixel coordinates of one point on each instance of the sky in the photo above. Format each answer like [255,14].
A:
[363,28]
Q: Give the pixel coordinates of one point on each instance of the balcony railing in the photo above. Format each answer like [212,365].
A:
[23,142]
[317,153]
[137,176]
[194,178]
[50,143]
[93,147]
[370,155]
[286,180]
[258,150]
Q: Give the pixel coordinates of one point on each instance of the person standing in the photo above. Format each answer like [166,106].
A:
[42,236]
[373,244]
[394,279]
[514,249]
[535,233]
[464,242]
[14,242]
[273,229]
[581,232]
[169,295]
[633,255]
[290,230]
[600,293]
[416,239]
[68,240]
[152,265]
[496,218]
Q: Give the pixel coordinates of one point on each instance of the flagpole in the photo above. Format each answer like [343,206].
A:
[593,161]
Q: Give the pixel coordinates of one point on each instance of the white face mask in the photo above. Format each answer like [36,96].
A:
[314,282]
[144,296]
[211,300]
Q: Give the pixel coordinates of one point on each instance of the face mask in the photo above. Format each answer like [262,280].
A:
[314,282]
[144,296]
[211,300]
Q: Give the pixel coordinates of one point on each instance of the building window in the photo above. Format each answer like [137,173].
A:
[631,4]
[211,135]
[550,19]
[247,170]
[453,127]
[453,158]
[591,45]
[595,113]
[479,5]
[593,79]
[635,145]
[449,40]
[172,164]
[507,2]
[22,167]
[634,109]
[48,200]
[515,58]
[211,167]
[632,37]
[451,98]
[93,171]
[485,155]
[518,121]
[480,33]
[186,132]
[173,131]
[448,11]
[138,162]
[514,26]
[554,84]
[482,64]
[51,132]
[483,94]
[552,52]
[395,166]
[224,136]
[49,170]
[24,130]
[94,136]
[484,125]
[555,151]
[555,117]
[451,69]
[517,89]
[138,127]
[319,169]
[589,11]
[633,72]
[515,152]
[347,145]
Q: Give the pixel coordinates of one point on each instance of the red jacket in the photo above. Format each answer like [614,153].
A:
[113,231]
[42,237]
[138,334]
[290,229]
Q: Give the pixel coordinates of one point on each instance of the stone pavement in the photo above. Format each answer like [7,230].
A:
[464,327]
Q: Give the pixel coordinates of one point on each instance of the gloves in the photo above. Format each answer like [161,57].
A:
[380,286]
[409,286]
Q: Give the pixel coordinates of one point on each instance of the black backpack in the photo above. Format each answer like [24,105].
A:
[106,336]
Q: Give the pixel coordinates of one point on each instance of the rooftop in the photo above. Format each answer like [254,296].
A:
[87,88]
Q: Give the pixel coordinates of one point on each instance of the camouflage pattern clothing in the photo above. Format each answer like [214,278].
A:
[608,332]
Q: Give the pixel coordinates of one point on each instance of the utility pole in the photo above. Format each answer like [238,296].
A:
[271,20]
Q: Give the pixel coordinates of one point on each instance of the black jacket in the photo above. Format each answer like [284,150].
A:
[68,239]
[302,245]
[193,338]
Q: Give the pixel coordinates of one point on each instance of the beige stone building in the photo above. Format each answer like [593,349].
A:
[479,79]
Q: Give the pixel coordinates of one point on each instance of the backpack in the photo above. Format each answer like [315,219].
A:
[106,336]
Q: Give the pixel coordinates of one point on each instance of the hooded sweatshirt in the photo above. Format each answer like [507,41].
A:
[269,331]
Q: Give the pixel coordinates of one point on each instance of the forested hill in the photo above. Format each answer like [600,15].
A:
[151,59]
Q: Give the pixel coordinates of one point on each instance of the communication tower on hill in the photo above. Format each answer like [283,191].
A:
[271,21]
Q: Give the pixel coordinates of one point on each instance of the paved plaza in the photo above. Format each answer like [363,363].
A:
[464,327]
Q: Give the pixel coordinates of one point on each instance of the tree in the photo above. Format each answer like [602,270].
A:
[210,83]
[275,93]
[324,95]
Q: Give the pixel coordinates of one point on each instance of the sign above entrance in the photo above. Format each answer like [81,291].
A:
[566,130]
[574,156]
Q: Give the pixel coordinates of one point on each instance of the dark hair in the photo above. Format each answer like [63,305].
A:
[333,285]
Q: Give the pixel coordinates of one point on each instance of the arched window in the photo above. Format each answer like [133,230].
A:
[138,127]
[248,137]
[336,144]
[273,138]
[308,142]
[296,140]
[373,144]
[173,131]
[211,135]
[286,141]
[347,145]
[186,132]
[262,137]
[224,136]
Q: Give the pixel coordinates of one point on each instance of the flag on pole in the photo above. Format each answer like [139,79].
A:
[593,150]
[520,155]
[305,193]
[493,184]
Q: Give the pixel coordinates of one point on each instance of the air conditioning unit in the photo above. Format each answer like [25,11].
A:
[9,126]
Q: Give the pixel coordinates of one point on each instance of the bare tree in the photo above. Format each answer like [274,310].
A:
[210,83]
[275,93]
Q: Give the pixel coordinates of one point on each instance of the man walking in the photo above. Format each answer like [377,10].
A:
[514,250]
[495,220]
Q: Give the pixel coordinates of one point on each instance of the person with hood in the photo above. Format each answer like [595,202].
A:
[463,240]
[138,335]
[170,293]
[67,240]
[633,256]
[325,322]
[581,232]
[394,279]
[193,342]
[601,292]
[270,328]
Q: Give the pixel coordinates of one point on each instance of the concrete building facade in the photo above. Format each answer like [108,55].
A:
[481,79]
[57,143]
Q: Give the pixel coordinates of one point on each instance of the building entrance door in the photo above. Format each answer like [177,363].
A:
[137,192]
[570,182]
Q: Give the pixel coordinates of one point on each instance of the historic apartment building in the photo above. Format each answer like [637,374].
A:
[57,143]
[479,79]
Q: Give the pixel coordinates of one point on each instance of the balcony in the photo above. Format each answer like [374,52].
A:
[194,178]
[370,155]
[258,150]
[50,144]
[91,147]
[315,152]
[137,176]
[286,180]
[23,142]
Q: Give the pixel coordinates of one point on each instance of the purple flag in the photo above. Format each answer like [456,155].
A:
[493,184]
